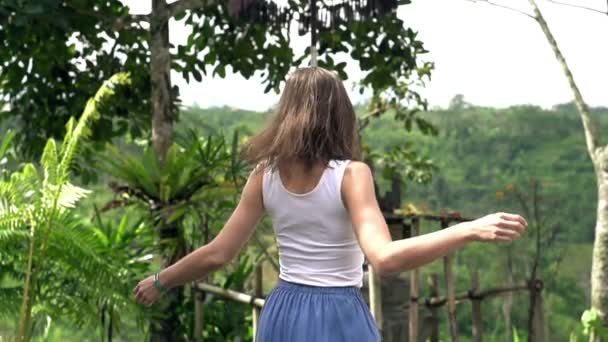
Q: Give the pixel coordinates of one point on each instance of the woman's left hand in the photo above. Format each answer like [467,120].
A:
[145,292]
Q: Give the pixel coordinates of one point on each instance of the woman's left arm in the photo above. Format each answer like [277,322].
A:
[218,252]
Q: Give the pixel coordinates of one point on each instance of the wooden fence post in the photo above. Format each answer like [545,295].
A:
[538,320]
[414,289]
[451,294]
[434,293]
[375,299]
[258,294]
[476,308]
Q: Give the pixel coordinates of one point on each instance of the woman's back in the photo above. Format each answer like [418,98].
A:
[316,241]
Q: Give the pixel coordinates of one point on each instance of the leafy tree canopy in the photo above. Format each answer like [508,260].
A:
[54,54]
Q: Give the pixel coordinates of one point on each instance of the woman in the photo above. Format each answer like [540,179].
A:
[321,200]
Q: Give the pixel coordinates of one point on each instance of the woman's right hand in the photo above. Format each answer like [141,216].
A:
[498,227]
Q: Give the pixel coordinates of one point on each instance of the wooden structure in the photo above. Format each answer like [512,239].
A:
[475,295]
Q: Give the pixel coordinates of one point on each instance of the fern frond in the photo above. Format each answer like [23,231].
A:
[11,218]
[50,162]
[71,194]
[10,237]
[11,221]
[47,208]
[81,130]
[22,187]
[80,250]
[69,128]
[30,176]
[76,308]
[6,207]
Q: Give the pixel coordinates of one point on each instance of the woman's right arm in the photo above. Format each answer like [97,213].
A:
[387,256]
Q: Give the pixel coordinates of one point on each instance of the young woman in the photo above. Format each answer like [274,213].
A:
[326,218]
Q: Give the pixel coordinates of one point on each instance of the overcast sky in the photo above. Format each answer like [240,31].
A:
[493,56]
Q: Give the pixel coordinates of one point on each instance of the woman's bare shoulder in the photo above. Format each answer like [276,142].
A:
[356,169]
[357,174]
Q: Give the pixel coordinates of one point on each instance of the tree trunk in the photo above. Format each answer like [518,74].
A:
[599,271]
[167,327]
[160,77]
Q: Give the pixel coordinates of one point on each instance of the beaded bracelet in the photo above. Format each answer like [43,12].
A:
[158,285]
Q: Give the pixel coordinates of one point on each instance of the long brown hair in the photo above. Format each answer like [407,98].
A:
[315,122]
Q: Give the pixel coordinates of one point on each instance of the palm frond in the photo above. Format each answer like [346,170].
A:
[139,171]
[193,166]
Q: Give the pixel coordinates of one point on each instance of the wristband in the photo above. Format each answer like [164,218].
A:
[157,283]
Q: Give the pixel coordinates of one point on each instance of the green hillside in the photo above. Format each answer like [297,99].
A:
[479,152]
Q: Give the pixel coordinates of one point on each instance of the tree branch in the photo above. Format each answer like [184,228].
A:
[180,6]
[118,24]
[503,6]
[579,6]
[366,119]
[124,22]
[589,125]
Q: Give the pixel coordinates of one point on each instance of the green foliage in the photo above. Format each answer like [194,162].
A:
[194,172]
[515,335]
[220,121]
[225,319]
[54,52]
[7,155]
[404,162]
[48,255]
[6,143]
[127,242]
[481,151]
[382,46]
[592,324]
[186,202]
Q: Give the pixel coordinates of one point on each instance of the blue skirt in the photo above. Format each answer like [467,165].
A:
[302,313]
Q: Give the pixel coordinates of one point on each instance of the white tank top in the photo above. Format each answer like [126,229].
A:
[317,244]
